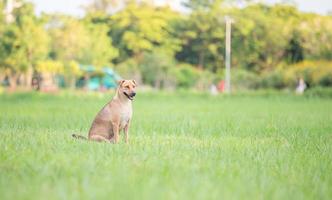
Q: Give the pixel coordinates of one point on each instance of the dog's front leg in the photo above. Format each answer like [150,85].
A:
[126,128]
[115,127]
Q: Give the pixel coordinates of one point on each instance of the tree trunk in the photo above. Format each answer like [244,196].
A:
[2,78]
[12,81]
[29,72]
[28,78]
[72,83]
[157,83]
[138,57]
[201,56]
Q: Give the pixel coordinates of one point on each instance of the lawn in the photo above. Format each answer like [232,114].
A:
[182,146]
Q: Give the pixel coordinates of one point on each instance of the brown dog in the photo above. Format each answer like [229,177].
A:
[114,116]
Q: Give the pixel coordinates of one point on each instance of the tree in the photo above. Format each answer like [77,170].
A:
[77,42]
[203,35]
[102,6]
[2,22]
[69,41]
[69,38]
[315,34]
[100,51]
[261,36]
[143,28]
[200,5]
[11,55]
[35,45]
[2,17]
[24,42]
[155,68]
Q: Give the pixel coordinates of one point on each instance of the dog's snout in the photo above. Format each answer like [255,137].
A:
[133,94]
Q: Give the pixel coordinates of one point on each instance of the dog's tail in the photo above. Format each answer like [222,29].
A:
[79,137]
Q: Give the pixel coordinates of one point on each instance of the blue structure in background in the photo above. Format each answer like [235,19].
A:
[105,78]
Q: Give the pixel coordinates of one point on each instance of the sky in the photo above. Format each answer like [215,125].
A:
[72,7]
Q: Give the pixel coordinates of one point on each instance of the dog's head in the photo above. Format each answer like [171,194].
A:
[127,88]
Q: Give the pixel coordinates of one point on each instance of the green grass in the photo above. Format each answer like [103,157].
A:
[184,146]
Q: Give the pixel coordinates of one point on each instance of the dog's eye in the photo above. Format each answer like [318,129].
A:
[127,87]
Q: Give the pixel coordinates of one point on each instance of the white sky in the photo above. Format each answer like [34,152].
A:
[73,6]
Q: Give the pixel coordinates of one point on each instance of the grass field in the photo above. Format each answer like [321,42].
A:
[185,146]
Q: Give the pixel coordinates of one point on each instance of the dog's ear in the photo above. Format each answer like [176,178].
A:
[134,82]
[120,82]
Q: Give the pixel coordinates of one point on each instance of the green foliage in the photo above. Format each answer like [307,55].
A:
[144,41]
[203,39]
[315,35]
[185,75]
[205,79]
[155,68]
[11,52]
[50,66]
[257,28]
[81,41]
[243,79]
[198,4]
[129,70]
[326,80]
[77,42]
[319,92]
[69,39]
[101,6]
[23,42]
[2,16]
[35,40]
[141,27]
[99,51]
[313,72]
[273,80]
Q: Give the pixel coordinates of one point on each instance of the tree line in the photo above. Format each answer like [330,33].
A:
[272,45]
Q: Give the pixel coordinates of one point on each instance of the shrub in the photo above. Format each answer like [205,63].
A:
[244,79]
[155,69]
[129,70]
[326,80]
[205,79]
[315,73]
[185,75]
[273,80]
[319,92]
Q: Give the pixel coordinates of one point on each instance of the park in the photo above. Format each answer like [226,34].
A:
[234,100]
